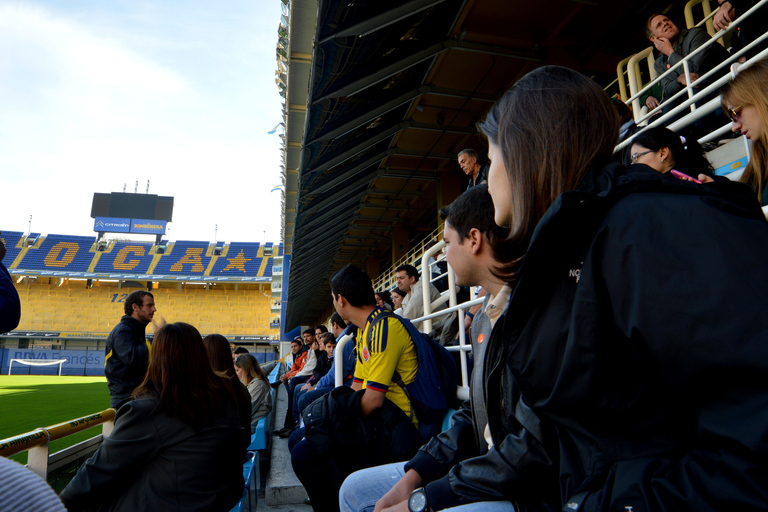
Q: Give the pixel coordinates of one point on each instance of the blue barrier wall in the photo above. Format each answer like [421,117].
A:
[79,362]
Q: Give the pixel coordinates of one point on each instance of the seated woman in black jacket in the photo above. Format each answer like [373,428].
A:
[627,371]
[179,445]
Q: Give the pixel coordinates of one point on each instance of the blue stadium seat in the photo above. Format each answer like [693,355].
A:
[10,239]
[126,257]
[60,252]
[187,258]
[251,477]
[241,260]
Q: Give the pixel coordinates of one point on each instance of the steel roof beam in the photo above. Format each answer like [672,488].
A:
[380,21]
[414,58]
[327,215]
[350,173]
[360,147]
[383,206]
[392,192]
[426,90]
[373,218]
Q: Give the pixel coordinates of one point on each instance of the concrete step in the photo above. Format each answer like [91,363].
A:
[283,487]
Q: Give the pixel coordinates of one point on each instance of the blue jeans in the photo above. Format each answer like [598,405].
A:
[362,489]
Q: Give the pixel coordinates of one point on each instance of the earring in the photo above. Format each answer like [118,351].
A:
[662,160]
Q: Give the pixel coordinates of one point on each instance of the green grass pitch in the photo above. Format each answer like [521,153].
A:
[31,401]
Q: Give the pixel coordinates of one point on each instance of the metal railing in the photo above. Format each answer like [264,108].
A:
[387,279]
[697,112]
[38,442]
[449,296]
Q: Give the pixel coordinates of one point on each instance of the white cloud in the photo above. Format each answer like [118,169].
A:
[89,102]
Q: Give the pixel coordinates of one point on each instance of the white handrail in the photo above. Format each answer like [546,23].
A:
[688,57]
[338,356]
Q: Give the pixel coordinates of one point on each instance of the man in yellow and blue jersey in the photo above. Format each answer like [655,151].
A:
[383,348]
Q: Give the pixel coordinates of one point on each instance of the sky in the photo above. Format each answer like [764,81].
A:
[96,95]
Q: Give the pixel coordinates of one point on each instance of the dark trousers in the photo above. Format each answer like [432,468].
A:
[301,399]
[294,383]
[321,480]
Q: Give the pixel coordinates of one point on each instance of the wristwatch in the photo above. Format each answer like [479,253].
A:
[418,501]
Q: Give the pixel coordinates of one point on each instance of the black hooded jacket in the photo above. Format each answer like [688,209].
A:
[628,371]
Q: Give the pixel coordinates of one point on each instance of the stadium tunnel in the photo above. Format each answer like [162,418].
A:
[381,96]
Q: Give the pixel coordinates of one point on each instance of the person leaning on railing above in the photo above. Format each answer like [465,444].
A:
[179,445]
[674,45]
[10,304]
[252,376]
[748,30]
[220,358]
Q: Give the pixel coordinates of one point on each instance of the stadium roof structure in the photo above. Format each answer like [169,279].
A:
[381,96]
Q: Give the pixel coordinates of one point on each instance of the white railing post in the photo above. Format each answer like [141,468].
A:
[338,356]
[37,457]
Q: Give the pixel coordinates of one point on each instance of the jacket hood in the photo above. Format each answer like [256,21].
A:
[614,181]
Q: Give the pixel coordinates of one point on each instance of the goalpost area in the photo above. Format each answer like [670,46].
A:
[28,402]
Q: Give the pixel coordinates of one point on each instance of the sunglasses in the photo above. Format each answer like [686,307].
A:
[637,156]
[734,113]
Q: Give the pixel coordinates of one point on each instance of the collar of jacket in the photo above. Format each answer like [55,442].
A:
[567,228]
[135,324]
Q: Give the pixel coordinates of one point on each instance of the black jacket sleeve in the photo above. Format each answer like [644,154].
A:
[688,285]
[10,305]
[116,463]
[517,466]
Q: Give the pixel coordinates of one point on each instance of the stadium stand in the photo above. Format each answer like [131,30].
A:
[238,259]
[184,257]
[60,252]
[74,308]
[11,240]
[126,257]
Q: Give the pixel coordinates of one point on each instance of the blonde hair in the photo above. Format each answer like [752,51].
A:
[748,88]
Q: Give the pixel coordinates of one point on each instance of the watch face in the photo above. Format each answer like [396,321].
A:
[418,501]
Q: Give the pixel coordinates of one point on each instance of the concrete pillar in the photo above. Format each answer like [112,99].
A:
[447,192]
[399,243]
[373,268]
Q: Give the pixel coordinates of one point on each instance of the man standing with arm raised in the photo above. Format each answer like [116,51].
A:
[127,353]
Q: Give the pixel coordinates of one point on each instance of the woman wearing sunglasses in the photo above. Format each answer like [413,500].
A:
[745,100]
[663,150]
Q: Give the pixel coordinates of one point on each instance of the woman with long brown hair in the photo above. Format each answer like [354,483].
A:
[628,368]
[745,101]
[220,357]
[179,445]
[252,376]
